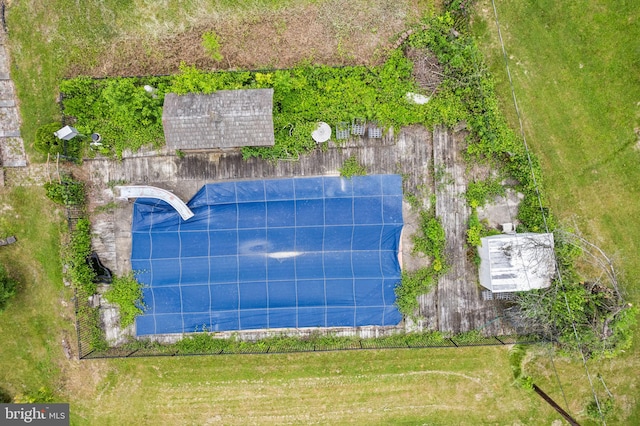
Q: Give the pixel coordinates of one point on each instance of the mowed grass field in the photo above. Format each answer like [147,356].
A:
[466,386]
[576,73]
[56,38]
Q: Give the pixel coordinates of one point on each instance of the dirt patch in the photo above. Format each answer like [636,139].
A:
[336,32]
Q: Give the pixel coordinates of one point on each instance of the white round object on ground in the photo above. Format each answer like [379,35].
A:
[417,98]
[322,133]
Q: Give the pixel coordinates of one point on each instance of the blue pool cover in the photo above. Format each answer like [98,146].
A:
[277,253]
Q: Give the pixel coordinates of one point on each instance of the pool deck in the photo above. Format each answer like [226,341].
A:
[455,306]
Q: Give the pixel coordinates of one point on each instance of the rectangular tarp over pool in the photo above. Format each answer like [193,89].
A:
[277,253]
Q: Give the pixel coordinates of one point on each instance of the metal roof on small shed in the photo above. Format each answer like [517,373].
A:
[224,119]
[516,262]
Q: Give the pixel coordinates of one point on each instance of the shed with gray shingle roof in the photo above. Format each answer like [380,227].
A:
[517,262]
[222,120]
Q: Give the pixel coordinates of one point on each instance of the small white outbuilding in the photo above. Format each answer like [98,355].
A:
[517,262]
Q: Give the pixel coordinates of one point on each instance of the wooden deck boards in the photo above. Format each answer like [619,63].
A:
[454,306]
[459,304]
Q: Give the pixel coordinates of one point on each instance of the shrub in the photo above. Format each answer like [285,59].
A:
[603,323]
[46,142]
[67,191]
[351,167]
[478,193]
[431,239]
[413,284]
[126,292]
[474,232]
[79,248]
[606,407]
[8,287]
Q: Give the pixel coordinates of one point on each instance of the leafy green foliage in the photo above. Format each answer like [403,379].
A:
[413,284]
[126,292]
[531,215]
[478,229]
[210,343]
[211,45]
[46,142]
[129,117]
[8,287]
[120,109]
[431,239]
[607,407]
[474,231]
[67,191]
[351,167]
[468,93]
[430,242]
[602,321]
[79,248]
[479,192]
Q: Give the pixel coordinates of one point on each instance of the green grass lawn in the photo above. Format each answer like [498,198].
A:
[436,386]
[35,321]
[575,69]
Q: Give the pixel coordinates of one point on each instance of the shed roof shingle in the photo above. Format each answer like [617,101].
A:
[224,119]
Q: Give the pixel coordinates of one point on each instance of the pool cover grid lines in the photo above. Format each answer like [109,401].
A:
[304,252]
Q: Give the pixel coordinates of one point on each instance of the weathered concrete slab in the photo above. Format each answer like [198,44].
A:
[12,151]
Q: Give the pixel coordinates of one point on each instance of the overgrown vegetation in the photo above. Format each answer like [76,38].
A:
[477,229]
[126,292]
[603,323]
[67,191]
[579,314]
[210,343]
[82,276]
[125,114]
[467,93]
[46,142]
[480,192]
[351,167]
[129,117]
[429,242]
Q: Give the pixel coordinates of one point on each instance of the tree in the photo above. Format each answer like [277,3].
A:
[7,287]
[583,310]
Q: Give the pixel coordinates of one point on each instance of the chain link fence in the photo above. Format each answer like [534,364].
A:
[92,343]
